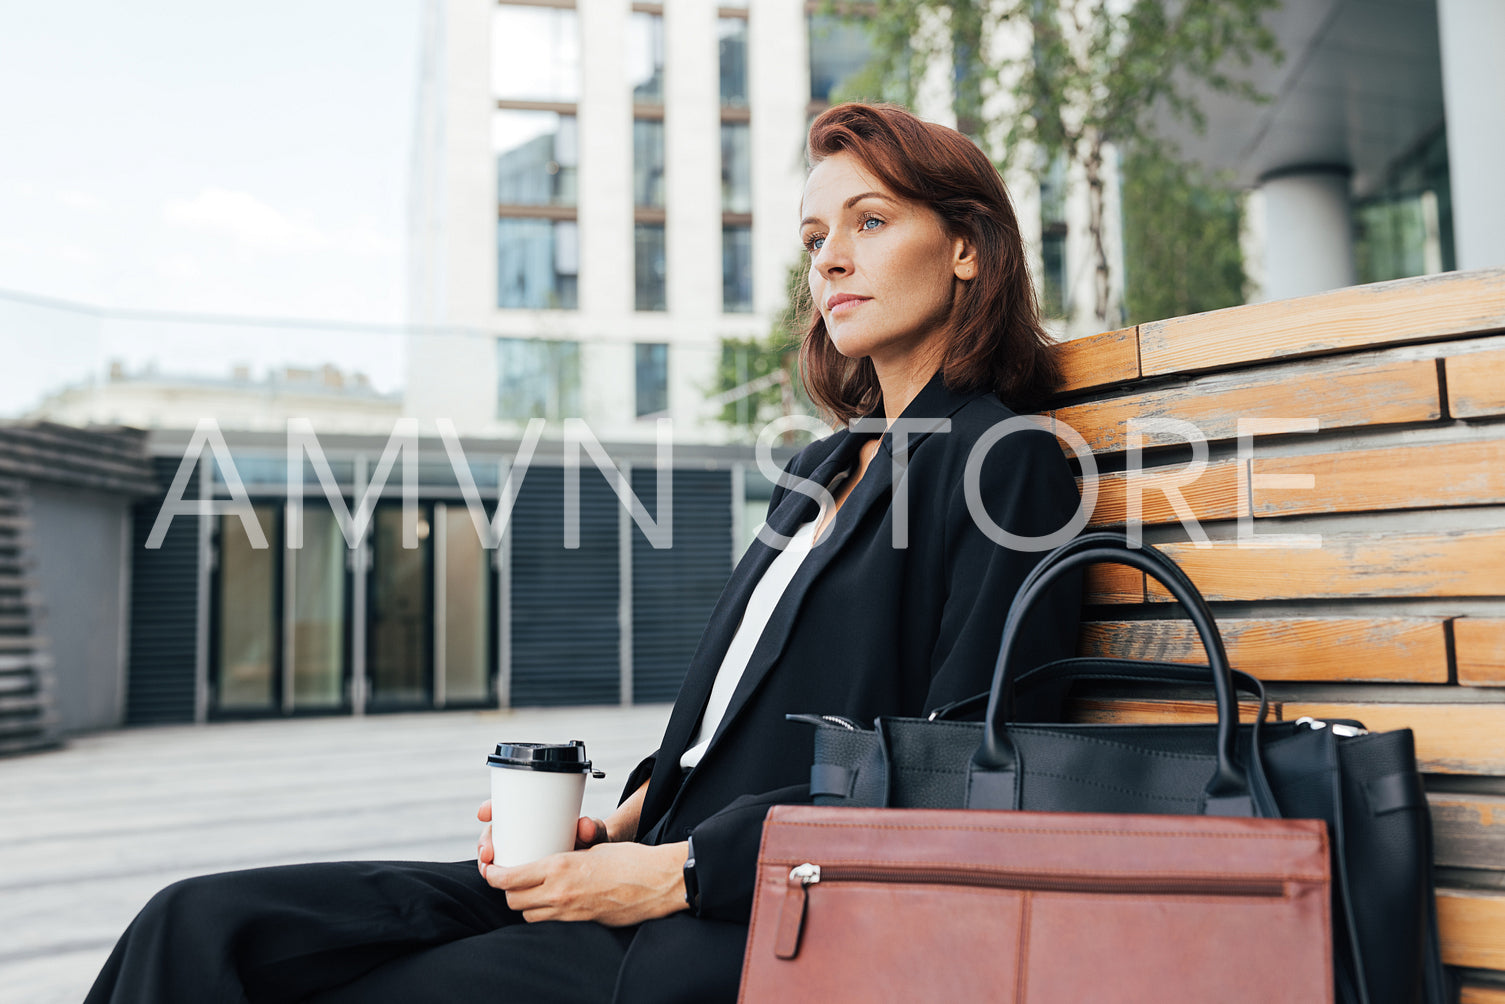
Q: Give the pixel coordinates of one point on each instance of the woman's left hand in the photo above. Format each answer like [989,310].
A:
[616,884]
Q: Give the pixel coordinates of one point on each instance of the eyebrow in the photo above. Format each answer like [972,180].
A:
[849,204]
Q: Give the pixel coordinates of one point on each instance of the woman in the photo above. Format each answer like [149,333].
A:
[876,587]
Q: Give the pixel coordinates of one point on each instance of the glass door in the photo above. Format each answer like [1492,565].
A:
[318,613]
[464,608]
[399,601]
[245,614]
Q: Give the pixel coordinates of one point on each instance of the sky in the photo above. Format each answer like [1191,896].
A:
[199,156]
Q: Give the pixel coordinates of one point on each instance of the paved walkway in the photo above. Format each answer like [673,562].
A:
[89,832]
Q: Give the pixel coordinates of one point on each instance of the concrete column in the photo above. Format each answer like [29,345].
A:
[450,375]
[778,72]
[1473,87]
[605,173]
[1308,230]
[692,158]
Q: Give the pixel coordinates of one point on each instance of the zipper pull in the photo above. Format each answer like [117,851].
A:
[792,913]
[1343,729]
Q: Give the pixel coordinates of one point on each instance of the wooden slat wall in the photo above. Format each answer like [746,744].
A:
[1385,602]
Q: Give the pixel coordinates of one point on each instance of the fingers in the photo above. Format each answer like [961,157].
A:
[485,853]
[526,889]
[589,832]
[484,812]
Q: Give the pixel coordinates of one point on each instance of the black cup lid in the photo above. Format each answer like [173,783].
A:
[558,758]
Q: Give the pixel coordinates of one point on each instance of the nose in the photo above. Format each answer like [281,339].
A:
[834,256]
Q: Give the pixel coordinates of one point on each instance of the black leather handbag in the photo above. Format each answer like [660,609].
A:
[1364,786]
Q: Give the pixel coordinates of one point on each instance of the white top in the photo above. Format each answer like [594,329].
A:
[765,596]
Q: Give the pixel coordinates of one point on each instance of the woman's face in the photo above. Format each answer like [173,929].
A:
[883,271]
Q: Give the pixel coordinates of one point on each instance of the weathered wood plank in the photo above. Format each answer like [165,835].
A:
[1479,643]
[1433,475]
[1341,394]
[1113,584]
[1097,360]
[1214,494]
[1469,925]
[1151,711]
[1469,830]
[1404,310]
[1446,563]
[1392,649]
[1477,993]
[1450,738]
[1476,384]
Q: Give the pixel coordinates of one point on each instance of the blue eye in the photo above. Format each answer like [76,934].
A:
[813,244]
[871,219]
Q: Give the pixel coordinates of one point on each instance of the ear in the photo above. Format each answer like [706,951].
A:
[964,259]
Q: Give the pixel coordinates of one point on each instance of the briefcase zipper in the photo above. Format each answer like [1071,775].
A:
[1343,728]
[802,876]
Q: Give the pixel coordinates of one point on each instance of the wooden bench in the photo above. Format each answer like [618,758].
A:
[1396,458]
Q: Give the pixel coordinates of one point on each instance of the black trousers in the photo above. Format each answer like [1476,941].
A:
[355,931]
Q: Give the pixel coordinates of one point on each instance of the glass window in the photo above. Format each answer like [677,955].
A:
[645,58]
[537,158]
[648,262]
[1053,264]
[1053,239]
[537,264]
[537,379]
[736,270]
[652,378]
[535,54]
[838,49]
[648,163]
[736,167]
[1053,193]
[731,33]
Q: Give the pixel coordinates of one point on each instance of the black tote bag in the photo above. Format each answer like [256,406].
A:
[1364,786]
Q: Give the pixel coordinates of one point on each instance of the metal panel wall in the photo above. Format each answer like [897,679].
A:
[566,632]
[674,589]
[160,682]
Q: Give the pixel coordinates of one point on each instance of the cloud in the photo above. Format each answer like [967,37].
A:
[73,254]
[75,199]
[254,224]
[246,220]
[179,267]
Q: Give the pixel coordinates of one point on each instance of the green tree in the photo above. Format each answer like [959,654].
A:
[757,379]
[1080,75]
[1181,240]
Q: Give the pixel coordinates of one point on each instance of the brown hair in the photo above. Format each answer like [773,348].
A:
[995,341]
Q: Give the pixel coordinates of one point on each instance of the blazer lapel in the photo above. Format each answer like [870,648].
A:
[930,412]
[793,509]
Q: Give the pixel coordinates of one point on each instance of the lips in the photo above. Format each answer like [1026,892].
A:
[848,300]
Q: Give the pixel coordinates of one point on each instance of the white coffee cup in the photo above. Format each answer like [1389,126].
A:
[536,792]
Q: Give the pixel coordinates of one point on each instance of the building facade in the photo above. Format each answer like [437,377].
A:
[605,191]
[342,574]
[1376,154]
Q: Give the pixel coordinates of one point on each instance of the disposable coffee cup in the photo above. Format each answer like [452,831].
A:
[536,792]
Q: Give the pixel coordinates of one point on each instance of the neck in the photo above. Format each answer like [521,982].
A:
[899,389]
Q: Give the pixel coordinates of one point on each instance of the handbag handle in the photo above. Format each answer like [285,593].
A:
[993,777]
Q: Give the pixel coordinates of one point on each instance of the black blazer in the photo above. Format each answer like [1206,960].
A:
[864,629]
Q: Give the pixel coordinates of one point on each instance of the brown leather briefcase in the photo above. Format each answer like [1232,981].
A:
[1048,908]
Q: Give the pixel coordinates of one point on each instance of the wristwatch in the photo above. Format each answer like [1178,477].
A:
[692,884]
